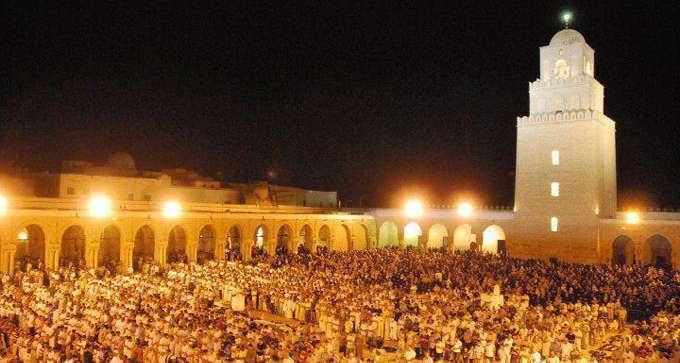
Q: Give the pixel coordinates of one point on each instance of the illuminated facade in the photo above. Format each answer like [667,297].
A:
[115,214]
[565,186]
[565,179]
[565,200]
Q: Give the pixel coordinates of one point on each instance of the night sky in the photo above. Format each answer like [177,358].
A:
[370,100]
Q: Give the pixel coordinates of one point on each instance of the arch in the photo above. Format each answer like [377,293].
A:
[206,244]
[324,238]
[143,249]
[109,248]
[490,237]
[342,240]
[412,234]
[660,251]
[30,247]
[285,240]
[177,245]
[234,243]
[436,236]
[462,236]
[387,235]
[623,251]
[260,239]
[361,240]
[561,69]
[307,237]
[72,246]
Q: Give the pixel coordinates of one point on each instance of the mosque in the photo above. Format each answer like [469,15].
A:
[565,200]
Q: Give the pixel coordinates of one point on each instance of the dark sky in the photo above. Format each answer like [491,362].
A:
[363,99]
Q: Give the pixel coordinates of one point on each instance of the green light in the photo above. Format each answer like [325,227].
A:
[566,18]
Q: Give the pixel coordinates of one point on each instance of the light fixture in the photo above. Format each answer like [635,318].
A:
[99,206]
[465,209]
[3,204]
[172,209]
[23,235]
[632,217]
[566,18]
[413,208]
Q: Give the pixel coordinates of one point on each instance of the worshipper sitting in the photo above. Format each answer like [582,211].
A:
[373,305]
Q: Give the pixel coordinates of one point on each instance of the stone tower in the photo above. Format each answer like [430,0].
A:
[565,179]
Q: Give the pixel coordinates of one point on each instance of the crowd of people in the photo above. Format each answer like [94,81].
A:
[380,305]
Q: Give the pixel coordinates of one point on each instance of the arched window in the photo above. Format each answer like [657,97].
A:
[259,240]
[561,69]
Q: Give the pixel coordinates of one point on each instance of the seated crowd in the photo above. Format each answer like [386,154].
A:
[380,305]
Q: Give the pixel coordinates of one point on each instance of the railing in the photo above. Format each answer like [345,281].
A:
[64,204]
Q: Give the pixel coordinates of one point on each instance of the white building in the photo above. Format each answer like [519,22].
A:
[565,178]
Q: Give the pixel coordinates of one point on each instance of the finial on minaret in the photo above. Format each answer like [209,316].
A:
[566,19]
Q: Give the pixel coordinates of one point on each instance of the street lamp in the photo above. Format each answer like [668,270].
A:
[172,209]
[566,18]
[465,209]
[3,204]
[413,208]
[632,217]
[99,206]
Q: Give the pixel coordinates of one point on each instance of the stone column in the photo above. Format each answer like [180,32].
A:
[161,252]
[292,244]
[12,258]
[192,251]
[246,247]
[311,244]
[52,256]
[7,263]
[52,260]
[125,257]
[400,237]
[219,251]
[270,246]
[92,261]
[4,261]
[88,257]
[131,256]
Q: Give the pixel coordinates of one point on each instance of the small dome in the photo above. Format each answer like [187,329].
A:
[566,37]
[121,160]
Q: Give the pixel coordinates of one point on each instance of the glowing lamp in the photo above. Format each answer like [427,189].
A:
[99,206]
[413,209]
[566,18]
[465,209]
[632,218]
[172,209]
[23,235]
[3,204]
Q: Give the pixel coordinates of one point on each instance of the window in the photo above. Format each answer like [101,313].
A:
[70,191]
[556,157]
[131,196]
[555,189]
[147,197]
[561,69]
[259,238]
[553,224]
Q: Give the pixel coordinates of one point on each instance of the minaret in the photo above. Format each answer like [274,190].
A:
[565,178]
